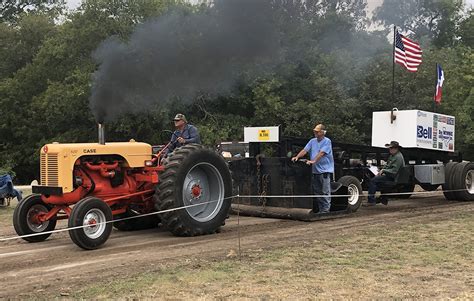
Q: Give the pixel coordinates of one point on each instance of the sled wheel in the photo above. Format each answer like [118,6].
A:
[198,179]
[25,218]
[463,177]
[448,176]
[92,213]
[354,190]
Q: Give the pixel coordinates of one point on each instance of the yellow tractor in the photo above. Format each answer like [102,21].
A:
[96,186]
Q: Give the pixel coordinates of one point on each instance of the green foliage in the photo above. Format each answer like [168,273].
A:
[466,30]
[333,70]
[430,20]
[7,168]
[13,10]
[19,44]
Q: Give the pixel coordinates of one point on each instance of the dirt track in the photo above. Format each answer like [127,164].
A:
[57,265]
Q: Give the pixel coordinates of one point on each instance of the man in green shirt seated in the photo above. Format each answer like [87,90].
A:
[387,174]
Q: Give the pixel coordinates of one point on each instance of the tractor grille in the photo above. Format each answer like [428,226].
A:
[49,170]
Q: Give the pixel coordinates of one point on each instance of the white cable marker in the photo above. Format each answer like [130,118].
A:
[344,195]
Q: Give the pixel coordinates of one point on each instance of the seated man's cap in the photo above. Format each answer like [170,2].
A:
[180,117]
[392,144]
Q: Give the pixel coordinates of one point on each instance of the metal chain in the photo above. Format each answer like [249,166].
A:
[264,190]
[262,183]
[259,183]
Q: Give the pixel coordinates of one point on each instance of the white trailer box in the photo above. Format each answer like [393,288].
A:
[414,129]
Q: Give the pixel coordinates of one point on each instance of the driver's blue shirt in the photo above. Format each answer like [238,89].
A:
[326,163]
[190,134]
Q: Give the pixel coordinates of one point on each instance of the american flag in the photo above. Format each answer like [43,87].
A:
[407,52]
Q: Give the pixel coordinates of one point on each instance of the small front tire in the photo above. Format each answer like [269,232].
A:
[94,217]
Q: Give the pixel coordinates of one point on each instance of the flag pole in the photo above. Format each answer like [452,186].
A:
[393,66]
[392,117]
[436,86]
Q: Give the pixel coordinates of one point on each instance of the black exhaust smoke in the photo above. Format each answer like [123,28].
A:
[181,54]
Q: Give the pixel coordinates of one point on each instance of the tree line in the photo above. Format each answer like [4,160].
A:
[335,68]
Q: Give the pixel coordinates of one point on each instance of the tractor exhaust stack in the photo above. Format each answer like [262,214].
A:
[101,134]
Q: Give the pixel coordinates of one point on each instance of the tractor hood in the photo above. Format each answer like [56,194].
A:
[58,159]
[135,153]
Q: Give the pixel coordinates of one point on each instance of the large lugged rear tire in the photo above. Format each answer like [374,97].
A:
[194,175]
[95,215]
[25,221]
[354,189]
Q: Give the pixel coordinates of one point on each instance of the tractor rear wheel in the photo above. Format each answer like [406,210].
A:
[198,181]
[93,216]
[25,219]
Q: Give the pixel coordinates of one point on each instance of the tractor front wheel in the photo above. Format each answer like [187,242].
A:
[91,222]
[25,218]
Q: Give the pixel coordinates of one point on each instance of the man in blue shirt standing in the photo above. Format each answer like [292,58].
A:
[322,161]
[184,134]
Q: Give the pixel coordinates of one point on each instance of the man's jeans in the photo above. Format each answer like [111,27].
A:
[375,184]
[321,184]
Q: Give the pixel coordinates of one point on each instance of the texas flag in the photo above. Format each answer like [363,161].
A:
[439,84]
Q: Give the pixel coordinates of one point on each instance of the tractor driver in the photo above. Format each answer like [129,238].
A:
[184,134]
[322,161]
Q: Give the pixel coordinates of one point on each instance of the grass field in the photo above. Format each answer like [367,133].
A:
[6,214]
[430,259]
